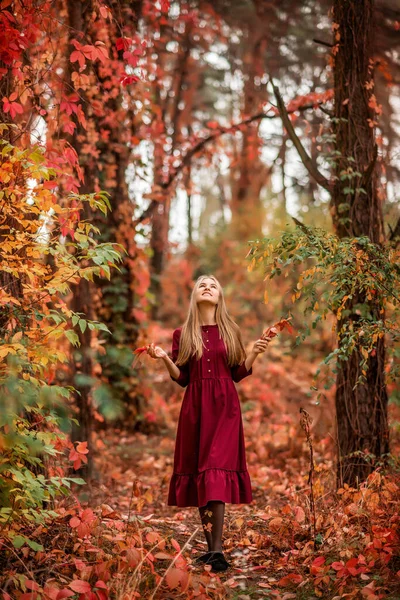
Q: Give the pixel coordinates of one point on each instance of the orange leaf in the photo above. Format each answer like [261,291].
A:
[100,584]
[31,585]
[82,448]
[173,577]
[276,523]
[74,522]
[88,515]
[140,350]
[280,325]
[175,544]
[80,586]
[153,537]
[289,579]
[163,555]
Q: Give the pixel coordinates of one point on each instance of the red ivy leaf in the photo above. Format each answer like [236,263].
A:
[12,107]
[128,80]
[77,56]
[164,6]
[123,43]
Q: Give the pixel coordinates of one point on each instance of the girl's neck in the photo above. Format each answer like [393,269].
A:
[207,319]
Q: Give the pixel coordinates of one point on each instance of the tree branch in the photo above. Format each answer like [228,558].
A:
[305,158]
[317,41]
[200,145]
[395,233]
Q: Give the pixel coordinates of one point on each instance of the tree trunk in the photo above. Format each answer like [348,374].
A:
[252,173]
[175,118]
[362,424]
[79,15]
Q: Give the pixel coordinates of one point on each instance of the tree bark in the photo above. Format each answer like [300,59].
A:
[117,299]
[79,15]
[362,423]
[251,174]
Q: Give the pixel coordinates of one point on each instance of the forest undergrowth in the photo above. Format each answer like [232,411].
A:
[115,537]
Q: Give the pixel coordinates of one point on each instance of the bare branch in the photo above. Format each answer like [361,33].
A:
[317,41]
[326,111]
[395,233]
[305,158]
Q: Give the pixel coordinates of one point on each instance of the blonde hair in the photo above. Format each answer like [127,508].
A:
[191,341]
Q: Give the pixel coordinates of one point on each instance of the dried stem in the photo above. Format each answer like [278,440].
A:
[305,422]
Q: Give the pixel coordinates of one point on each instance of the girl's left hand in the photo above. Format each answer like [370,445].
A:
[261,345]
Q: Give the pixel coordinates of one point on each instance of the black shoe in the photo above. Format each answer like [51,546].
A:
[203,558]
[217,561]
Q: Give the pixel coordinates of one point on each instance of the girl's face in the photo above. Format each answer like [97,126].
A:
[207,292]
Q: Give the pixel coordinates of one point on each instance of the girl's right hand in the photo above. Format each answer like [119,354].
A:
[155,351]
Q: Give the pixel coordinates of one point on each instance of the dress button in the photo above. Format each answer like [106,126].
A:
[208,359]
[209,370]
[207,340]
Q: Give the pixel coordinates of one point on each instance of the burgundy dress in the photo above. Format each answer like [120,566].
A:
[209,459]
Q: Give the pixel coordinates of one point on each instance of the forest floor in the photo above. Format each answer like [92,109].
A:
[115,538]
[270,543]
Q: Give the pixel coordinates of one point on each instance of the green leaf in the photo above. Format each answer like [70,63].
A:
[77,480]
[319,539]
[35,545]
[102,327]
[72,337]
[19,541]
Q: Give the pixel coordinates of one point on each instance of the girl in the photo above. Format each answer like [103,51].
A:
[209,461]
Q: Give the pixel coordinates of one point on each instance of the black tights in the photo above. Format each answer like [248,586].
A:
[212,519]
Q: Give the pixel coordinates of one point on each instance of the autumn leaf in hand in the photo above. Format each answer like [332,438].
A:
[139,354]
[279,326]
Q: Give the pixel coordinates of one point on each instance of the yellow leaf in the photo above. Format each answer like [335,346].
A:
[4,350]
[239,522]
[266,296]
[276,523]
[16,337]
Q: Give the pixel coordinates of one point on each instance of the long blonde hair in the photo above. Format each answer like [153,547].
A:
[191,341]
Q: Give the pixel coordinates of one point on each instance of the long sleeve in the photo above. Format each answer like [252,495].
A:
[239,372]
[183,378]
